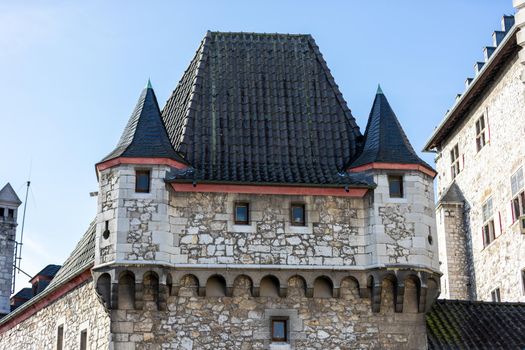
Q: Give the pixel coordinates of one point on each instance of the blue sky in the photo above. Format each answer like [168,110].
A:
[71,72]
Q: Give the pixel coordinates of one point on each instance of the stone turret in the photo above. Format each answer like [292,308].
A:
[9,203]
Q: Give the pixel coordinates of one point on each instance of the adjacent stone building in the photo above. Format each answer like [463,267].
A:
[249,213]
[480,158]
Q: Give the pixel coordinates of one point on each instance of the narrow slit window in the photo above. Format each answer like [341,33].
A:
[83,340]
[242,213]
[60,337]
[523,281]
[495,295]
[142,181]
[298,216]
[279,330]
[395,186]
[480,133]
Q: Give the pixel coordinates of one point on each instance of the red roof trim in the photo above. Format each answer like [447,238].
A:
[46,300]
[139,161]
[394,166]
[258,189]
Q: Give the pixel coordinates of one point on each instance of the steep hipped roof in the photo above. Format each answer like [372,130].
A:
[452,195]
[8,195]
[145,135]
[455,324]
[261,108]
[385,140]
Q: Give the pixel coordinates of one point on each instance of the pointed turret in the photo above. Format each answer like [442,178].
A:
[8,196]
[385,140]
[145,135]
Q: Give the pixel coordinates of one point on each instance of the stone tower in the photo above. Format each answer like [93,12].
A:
[9,203]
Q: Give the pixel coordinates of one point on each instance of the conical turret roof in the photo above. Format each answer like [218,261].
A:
[145,135]
[8,196]
[385,140]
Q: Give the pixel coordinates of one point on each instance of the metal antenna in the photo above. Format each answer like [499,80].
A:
[19,257]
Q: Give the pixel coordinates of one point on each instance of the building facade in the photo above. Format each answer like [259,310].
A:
[249,213]
[480,158]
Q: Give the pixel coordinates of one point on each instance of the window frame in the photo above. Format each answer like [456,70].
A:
[454,161]
[139,172]
[481,135]
[489,229]
[401,179]
[303,221]
[283,320]
[517,185]
[83,336]
[241,222]
[60,337]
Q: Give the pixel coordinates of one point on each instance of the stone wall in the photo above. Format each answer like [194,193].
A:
[243,321]
[204,229]
[77,310]
[453,253]
[486,174]
[7,251]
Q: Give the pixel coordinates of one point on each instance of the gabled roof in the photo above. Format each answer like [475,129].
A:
[455,324]
[8,195]
[261,108]
[385,140]
[145,135]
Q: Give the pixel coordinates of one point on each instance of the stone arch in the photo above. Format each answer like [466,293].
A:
[388,291]
[242,286]
[216,286]
[323,287]
[297,286]
[104,289]
[269,287]
[150,282]
[126,291]
[411,295]
[189,286]
[349,288]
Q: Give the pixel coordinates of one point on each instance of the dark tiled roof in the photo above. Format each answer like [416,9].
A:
[8,195]
[145,134]
[24,293]
[385,140]
[452,195]
[261,108]
[454,324]
[49,271]
[79,260]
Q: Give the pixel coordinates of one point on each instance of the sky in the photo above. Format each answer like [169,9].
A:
[72,71]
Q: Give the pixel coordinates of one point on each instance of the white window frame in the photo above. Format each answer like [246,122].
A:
[481,134]
[489,229]
[517,185]
[454,161]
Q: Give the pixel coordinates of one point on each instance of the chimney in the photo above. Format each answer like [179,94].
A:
[488,51]
[458,96]
[507,22]
[497,37]
[478,66]
[468,81]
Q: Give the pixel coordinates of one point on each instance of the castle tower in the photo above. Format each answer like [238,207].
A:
[9,203]
[401,220]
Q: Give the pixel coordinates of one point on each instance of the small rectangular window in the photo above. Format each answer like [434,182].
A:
[2,212]
[242,213]
[454,161]
[518,201]
[495,295]
[298,216]
[142,181]
[395,186]
[60,337]
[480,133]
[279,330]
[489,233]
[83,340]
[10,213]
[523,280]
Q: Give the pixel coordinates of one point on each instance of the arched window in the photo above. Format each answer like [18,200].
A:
[104,289]
[151,287]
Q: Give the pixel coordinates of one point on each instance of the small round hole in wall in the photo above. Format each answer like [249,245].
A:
[105,234]
[430,239]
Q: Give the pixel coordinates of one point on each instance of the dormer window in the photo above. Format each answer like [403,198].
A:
[142,181]
[298,216]
[395,186]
